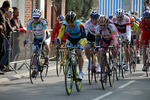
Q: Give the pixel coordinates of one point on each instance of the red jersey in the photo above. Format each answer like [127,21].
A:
[146,30]
[56,32]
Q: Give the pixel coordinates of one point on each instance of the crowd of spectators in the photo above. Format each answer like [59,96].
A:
[9,22]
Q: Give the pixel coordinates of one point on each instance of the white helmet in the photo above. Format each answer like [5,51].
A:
[119,12]
[36,13]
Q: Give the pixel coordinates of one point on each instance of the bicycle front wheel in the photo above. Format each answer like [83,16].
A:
[90,69]
[33,70]
[111,73]
[44,71]
[104,72]
[68,78]
[58,63]
[77,82]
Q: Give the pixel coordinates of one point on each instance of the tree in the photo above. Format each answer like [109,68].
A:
[81,7]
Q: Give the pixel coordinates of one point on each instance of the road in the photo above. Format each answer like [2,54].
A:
[134,87]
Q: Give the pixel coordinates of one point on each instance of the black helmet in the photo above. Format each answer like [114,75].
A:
[70,17]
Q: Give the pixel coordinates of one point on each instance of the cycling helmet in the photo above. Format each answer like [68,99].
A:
[119,12]
[103,20]
[94,14]
[36,13]
[146,13]
[70,17]
[132,19]
[60,18]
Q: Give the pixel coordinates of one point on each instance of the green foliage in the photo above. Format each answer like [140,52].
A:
[81,7]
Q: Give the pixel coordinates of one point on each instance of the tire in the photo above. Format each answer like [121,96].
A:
[111,73]
[58,62]
[68,81]
[104,64]
[32,79]
[44,72]
[78,83]
[147,65]
[90,73]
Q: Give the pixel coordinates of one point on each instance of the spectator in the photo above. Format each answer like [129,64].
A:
[146,5]
[3,9]
[15,22]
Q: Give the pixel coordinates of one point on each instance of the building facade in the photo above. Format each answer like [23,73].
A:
[50,9]
[108,7]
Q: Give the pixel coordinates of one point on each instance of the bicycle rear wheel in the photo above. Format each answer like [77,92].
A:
[68,79]
[58,62]
[104,79]
[32,68]
[44,71]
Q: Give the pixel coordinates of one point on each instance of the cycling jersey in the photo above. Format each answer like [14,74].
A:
[90,29]
[109,34]
[56,32]
[146,30]
[124,27]
[134,28]
[75,33]
[37,28]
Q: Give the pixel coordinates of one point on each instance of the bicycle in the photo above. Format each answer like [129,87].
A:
[120,58]
[107,68]
[60,61]
[41,67]
[92,69]
[71,67]
[133,58]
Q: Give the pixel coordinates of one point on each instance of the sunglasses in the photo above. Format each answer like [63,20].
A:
[103,25]
[70,23]
[119,16]
[36,18]
[147,18]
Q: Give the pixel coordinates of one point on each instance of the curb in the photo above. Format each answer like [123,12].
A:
[19,76]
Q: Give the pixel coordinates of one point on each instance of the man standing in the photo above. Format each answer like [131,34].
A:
[3,9]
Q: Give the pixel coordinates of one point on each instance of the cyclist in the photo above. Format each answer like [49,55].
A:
[90,28]
[76,36]
[134,29]
[60,20]
[144,28]
[106,35]
[38,26]
[122,22]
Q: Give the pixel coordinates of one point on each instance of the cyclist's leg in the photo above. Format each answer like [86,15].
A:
[47,42]
[87,50]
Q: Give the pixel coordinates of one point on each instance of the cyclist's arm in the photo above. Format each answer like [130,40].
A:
[82,31]
[55,29]
[114,38]
[44,34]
[27,33]
[128,31]
[138,33]
[61,33]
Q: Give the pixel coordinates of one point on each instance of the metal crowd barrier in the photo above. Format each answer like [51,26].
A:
[18,53]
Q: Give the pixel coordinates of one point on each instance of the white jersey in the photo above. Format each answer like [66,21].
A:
[90,27]
[124,27]
[109,33]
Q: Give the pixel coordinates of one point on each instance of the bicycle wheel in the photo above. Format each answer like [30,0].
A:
[90,69]
[44,71]
[111,73]
[58,62]
[134,60]
[32,68]
[104,78]
[78,83]
[147,66]
[68,79]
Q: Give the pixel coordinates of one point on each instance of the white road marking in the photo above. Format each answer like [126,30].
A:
[103,96]
[130,82]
